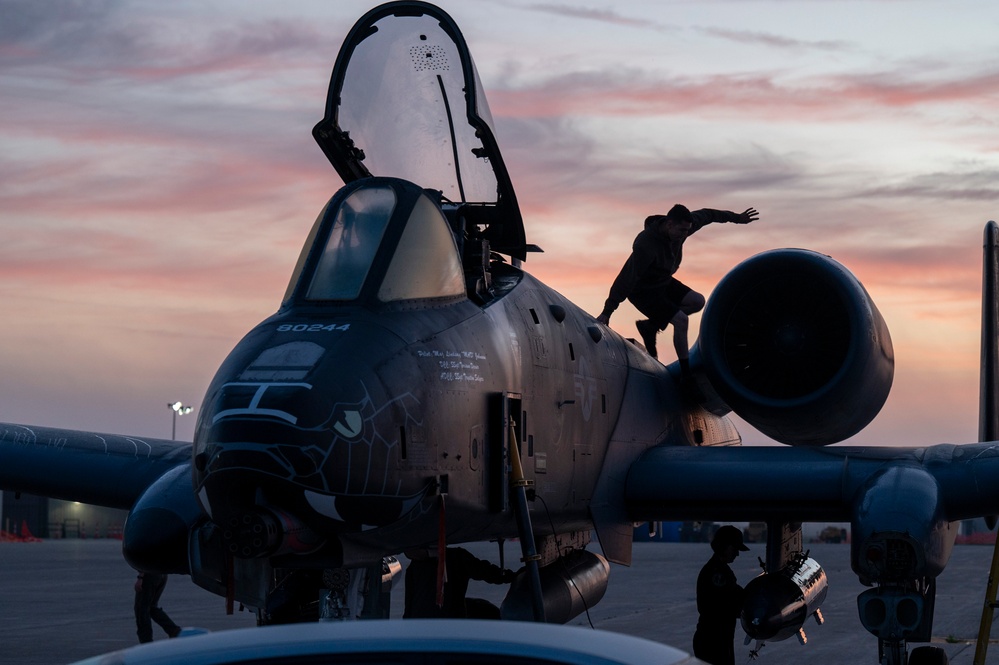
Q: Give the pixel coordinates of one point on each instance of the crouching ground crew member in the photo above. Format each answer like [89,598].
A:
[461,566]
[719,600]
[647,276]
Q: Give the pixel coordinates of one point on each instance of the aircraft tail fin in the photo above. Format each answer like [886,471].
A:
[988,414]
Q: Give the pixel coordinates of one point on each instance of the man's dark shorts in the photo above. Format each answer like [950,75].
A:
[661,305]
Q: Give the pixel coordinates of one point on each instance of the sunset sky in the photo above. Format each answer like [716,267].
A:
[158,175]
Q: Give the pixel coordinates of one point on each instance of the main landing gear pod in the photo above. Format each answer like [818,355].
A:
[569,586]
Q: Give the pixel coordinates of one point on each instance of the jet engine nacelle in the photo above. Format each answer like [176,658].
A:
[569,585]
[791,342]
[777,604]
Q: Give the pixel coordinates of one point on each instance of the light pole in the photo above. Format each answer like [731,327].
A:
[178,410]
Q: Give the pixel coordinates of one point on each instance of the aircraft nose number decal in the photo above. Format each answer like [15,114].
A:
[313,327]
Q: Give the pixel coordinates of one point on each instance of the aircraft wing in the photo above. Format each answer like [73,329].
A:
[101,469]
[941,483]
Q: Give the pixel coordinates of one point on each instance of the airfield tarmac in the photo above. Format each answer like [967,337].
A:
[63,600]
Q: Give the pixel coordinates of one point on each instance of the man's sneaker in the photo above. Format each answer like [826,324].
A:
[648,331]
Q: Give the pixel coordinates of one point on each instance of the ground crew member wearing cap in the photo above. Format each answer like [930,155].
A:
[719,599]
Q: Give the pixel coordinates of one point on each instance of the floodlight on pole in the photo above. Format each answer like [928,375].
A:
[178,410]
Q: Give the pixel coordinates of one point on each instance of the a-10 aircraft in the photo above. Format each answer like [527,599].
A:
[418,388]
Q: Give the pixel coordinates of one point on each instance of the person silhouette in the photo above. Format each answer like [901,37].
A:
[461,566]
[148,589]
[719,599]
[647,281]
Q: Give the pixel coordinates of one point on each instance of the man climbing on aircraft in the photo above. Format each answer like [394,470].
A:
[647,276]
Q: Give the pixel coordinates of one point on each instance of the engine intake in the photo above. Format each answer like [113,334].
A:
[792,342]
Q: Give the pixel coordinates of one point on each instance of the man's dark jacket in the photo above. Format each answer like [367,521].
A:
[654,257]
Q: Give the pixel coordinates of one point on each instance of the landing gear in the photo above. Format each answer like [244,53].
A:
[900,613]
[331,594]
[894,653]
[518,498]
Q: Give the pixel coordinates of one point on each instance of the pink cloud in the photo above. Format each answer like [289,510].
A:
[757,95]
[898,89]
[246,51]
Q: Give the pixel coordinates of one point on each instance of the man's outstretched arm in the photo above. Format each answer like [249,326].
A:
[706,216]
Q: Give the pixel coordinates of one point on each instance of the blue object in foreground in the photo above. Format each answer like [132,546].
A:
[404,642]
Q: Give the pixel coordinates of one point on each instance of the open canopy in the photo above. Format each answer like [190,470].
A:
[405,101]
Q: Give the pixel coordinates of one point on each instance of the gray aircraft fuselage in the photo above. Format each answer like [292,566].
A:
[355,419]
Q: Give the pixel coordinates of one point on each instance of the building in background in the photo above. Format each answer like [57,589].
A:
[28,515]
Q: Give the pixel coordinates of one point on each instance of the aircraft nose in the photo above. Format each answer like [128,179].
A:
[309,430]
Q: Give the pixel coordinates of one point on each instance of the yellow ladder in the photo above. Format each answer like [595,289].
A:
[988,609]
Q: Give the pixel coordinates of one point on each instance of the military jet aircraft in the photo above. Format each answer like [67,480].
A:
[418,388]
